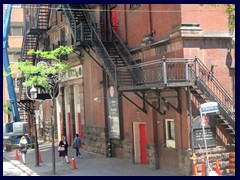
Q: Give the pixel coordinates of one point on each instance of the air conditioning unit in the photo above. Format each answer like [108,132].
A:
[170,143]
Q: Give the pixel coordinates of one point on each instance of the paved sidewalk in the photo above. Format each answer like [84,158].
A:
[90,165]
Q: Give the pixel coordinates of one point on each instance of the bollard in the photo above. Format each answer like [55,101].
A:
[73,165]
[232,163]
[194,164]
[109,150]
[218,168]
[16,154]
[39,157]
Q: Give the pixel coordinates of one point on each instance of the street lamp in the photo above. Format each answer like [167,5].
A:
[33,94]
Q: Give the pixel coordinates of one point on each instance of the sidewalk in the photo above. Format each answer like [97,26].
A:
[90,165]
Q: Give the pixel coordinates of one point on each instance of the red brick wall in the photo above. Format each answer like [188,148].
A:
[94,111]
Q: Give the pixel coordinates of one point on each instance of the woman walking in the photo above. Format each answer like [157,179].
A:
[23,148]
[63,149]
[77,142]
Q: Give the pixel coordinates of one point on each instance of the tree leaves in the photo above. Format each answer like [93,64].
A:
[44,75]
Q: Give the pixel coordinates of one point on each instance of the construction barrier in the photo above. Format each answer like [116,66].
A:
[232,162]
[73,165]
[203,165]
[218,168]
[16,155]
[194,164]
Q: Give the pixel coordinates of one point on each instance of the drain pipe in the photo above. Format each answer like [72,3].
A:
[190,117]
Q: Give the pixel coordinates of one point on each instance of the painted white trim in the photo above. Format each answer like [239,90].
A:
[170,143]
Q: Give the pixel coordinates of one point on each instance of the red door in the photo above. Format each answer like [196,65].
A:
[114,19]
[143,141]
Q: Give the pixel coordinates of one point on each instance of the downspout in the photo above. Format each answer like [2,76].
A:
[190,117]
[63,111]
[150,18]
[125,22]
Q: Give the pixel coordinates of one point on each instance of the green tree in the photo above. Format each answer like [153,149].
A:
[6,108]
[46,74]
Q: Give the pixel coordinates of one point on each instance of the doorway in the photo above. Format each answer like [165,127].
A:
[140,141]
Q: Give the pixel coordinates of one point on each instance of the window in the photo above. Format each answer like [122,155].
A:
[133,6]
[170,133]
[63,36]
[13,56]
[16,31]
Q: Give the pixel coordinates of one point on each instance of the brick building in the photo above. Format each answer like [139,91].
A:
[144,70]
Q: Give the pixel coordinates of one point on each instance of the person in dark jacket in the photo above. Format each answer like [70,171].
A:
[64,153]
[77,142]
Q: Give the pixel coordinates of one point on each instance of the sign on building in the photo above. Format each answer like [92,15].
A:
[113,113]
[210,132]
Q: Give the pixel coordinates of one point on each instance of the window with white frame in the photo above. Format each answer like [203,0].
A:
[13,56]
[170,133]
[15,31]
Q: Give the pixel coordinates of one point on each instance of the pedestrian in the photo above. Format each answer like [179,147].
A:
[23,148]
[77,142]
[63,149]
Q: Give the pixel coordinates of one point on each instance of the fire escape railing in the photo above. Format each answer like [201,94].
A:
[173,72]
[99,48]
[70,19]
[125,54]
[215,91]
[34,26]
[159,73]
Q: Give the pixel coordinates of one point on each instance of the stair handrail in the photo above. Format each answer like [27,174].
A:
[39,6]
[214,97]
[215,81]
[126,50]
[91,22]
[65,8]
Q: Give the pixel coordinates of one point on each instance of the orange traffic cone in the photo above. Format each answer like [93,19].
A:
[194,165]
[39,157]
[73,165]
[16,154]
[203,165]
[218,168]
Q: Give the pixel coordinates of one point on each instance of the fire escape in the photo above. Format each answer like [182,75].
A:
[36,23]
[139,78]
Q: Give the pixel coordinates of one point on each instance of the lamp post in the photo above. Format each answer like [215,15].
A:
[33,94]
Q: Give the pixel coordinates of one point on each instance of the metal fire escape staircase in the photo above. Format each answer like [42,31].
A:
[140,78]
[35,25]
[84,32]
[208,88]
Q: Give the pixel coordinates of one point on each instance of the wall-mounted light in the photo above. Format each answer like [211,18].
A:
[212,67]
